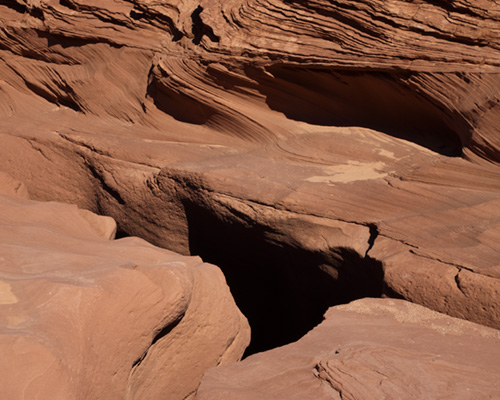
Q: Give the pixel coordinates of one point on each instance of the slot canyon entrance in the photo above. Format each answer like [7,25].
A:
[283,290]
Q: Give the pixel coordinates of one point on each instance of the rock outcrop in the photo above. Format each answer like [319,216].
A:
[317,151]
[370,349]
[86,317]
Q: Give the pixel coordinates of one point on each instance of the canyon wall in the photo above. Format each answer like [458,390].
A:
[317,152]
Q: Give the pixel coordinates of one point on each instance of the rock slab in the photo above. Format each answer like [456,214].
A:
[86,317]
[370,349]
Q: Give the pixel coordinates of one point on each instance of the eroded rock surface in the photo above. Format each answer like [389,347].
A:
[370,348]
[318,151]
[86,317]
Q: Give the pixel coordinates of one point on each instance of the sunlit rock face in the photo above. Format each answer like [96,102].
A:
[316,151]
[87,317]
[370,348]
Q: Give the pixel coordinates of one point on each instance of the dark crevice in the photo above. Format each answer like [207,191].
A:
[160,334]
[457,281]
[137,15]
[24,9]
[201,29]
[69,104]
[166,330]
[120,232]
[284,290]
[114,194]
[37,13]
[110,20]
[389,292]
[371,240]
[69,4]
[14,5]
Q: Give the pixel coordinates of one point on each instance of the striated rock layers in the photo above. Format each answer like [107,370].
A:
[370,349]
[86,317]
[317,151]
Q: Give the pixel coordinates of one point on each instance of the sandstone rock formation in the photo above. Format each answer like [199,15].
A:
[317,151]
[370,349]
[86,317]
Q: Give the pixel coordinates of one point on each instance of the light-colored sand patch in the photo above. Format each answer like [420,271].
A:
[351,172]
[6,295]
[13,321]
[386,153]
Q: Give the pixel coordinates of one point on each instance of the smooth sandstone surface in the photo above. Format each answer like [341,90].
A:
[370,349]
[86,317]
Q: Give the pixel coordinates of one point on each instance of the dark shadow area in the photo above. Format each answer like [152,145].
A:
[176,104]
[37,13]
[201,29]
[382,101]
[24,9]
[120,233]
[14,5]
[69,4]
[282,290]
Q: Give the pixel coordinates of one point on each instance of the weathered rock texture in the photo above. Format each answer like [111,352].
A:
[370,349]
[318,151]
[85,317]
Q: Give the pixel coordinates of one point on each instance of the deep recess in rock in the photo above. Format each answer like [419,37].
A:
[177,104]
[282,290]
[384,101]
[14,5]
[201,29]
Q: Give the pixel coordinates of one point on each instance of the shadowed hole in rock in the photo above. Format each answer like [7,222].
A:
[282,289]
[200,29]
[120,233]
[69,4]
[388,102]
[14,5]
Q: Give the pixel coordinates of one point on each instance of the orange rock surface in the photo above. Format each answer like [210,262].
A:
[371,348]
[317,151]
[86,317]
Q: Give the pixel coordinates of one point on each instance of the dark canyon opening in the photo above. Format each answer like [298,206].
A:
[282,289]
